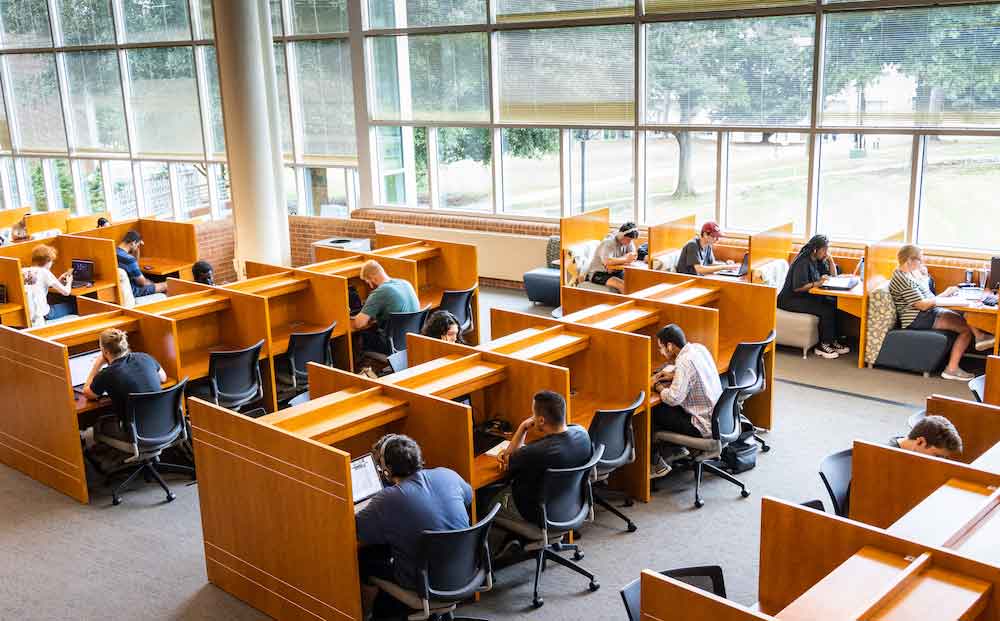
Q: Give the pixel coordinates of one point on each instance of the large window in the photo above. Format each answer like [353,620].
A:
[36,99]
[95,96]
[164,100]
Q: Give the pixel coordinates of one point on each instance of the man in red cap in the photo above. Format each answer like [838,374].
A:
[697,258]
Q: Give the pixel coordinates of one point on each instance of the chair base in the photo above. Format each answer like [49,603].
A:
[150,471]
[715,467]
[550,553]
[603,502]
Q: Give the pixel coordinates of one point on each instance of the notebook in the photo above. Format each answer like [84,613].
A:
[841,283]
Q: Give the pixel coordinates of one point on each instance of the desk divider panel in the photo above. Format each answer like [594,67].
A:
[100,251]
[40,222]
[254,269]
[671,236]
[40,436]
[977,423]
[774,244]
[664,597]
[396,268]
[277,515]
[881,261]
[594,224]
[166,238]
[78,224]
[13,280]
[10,217]
[992,395]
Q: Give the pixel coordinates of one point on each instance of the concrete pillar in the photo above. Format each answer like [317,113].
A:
[250,111]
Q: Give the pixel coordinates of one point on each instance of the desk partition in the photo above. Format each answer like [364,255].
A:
[78,224]
[10,217]
[588,226]
[671,236]
[13,312]
[35,223]
[992,391]
[69,247]
[169,248]
[774,244]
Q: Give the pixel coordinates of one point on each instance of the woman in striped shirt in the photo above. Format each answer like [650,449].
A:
[917,309]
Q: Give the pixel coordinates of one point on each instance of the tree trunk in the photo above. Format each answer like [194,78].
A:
[685,180]
[765,138]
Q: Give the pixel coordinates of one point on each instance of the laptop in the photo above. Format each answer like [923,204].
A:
[80,366]
[841,283]
[739,272]
[83,273]
[365,481]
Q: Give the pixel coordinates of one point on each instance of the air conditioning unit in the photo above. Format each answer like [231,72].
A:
[354,244]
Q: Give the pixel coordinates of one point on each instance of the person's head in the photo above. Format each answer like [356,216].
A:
[933,435]
[103,222]
[818,247]
[373,274]
[670,340]
[710,233]
[442,325]
[397,456]
[203,273]
[114,344]
[43,256]
[910,257]
[132,241]
[549,410]
[627,232]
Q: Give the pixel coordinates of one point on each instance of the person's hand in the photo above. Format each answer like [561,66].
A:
[632,256]
[730,262]
[504,457]
[67,275]
[949,292]
[824,278]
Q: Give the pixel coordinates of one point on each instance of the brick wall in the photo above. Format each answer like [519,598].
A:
[306,230]
[217,245]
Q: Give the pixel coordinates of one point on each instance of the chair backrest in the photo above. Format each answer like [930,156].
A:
[835,470]
[235,375]
[613,430]
[459,304]
[157,418]
[707,578]
[566,494]
[306,347]
[401,324]
[726,425]
[746,366]
[814,504]
[978,387]
[456,563]
[399,361]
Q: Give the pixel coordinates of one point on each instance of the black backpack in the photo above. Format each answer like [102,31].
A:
[741,454]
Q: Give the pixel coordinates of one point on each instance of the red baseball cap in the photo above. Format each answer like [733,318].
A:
[711,228]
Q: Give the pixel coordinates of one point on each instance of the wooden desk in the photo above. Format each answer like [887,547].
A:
[985,318]
[169,248]
[15,311]
[851,301]
[70,247]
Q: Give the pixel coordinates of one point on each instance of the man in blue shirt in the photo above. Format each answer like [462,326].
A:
[389,528]
[128,253]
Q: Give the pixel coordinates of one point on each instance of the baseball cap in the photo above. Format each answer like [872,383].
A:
[711,228]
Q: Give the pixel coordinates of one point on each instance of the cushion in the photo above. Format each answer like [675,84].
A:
[125,287]
[410,598]
[578,258]
[771,273]
[552,251]
[667,262]
[881,318]
[149,299]
[797,329]
[709,448]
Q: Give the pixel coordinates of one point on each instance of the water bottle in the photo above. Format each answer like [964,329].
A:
[968,276]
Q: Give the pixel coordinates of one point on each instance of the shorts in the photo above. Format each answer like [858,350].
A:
[925,319]
[143,291]
[601,278]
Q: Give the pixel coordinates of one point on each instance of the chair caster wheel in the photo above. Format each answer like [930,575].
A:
[593,586]
[632,527]
[578,556]
[745,493]
[171,496]
[765,449]
[116,501]
[538,602]
[699,503]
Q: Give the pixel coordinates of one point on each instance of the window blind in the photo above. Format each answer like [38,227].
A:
[421,13]
[536,10]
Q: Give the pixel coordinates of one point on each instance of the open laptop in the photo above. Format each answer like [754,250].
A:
[80,366]
[740,272]
[994,280]
[83,273]
[841,283]
[365,481]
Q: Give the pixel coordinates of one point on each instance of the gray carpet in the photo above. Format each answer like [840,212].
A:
[63,560]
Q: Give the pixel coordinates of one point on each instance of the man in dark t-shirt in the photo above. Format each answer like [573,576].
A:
[559,446]
[697,257]
[127,254]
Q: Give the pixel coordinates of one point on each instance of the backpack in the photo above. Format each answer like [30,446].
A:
[741,454]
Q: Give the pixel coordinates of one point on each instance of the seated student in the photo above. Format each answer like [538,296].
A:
[128,260]
[103,222]
[932,435]
[203,273]
[917,309]
[555,445]
[389,527]
[612,255]
[442,325]
[19,232]
[388,295]
[697,257]
[812,267]
[689,387]
[39,280]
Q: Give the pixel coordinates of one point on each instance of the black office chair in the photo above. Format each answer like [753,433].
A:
[459,304]
[746,368]
[835,470]
[708,578]
[454,566]
[154,423]
[706,452]
[567,502]
[298,400]
[396,328]
[613,430]
[233,378]
[814,504]
[292,374]
[978,387]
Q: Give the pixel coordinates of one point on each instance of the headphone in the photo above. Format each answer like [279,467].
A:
[384,470]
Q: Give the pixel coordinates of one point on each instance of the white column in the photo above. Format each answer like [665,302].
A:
[250,111]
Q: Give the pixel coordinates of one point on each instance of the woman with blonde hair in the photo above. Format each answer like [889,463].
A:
[918,309]
[39,280]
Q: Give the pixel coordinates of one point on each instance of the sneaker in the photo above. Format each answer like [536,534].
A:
[985,343]
[825,350]
[840,348]
[671,454]
[658,468]
[958,375]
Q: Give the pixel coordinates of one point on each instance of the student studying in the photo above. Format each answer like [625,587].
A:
[48,295]
[613,253]
[442,325]
[932,435]
[128,260]
[813,267]
[697,257]
[388,295]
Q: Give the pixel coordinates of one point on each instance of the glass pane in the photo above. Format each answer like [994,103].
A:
[680,175]
[121,191]
[277,28]
[65,197]
[389,144]
[327,98]
[768,179]
[156,190]
[327,191]
[381,13]
[92,200]
[25,23]
[223,188]
[95,98]
[319,16]
[864,185]
[959,202]
[418,135]
[218,131]
[601,172]
[192,190]
[36,196]
[206,20]
[464,178]
[36,101]
[156,20]
[8,163]
[291,192]
[531,172]
[86,22]
[531,10]
[165,101]
[692,6]
[755,71]
[4,126]
[567,75]
[283,105]
[431,77]
[928,67]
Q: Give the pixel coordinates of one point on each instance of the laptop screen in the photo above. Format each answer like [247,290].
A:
[365,480]
[80,365]
[83,270]
[994,281]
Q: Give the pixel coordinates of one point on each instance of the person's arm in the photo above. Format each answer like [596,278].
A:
[369,311]
[801,281]
[360,321]
[516,442]
[831,265]
[368,522]
[677,392]
[906,291]
[93,388]
[711,269]
[62,285]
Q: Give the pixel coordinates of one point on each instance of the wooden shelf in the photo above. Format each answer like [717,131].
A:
[73,333]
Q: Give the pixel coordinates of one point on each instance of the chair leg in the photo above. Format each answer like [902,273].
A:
[177,469]
[116,494]
[602,502]
[719,472]
[536,601]
[565,562]
[163,484]
[698,502]
[763,444]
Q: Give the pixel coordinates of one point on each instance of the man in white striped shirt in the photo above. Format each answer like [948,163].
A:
[689,390]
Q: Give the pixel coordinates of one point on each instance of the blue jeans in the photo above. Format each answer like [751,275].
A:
[60,306]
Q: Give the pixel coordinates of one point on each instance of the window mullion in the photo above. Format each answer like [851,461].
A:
[918,162]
